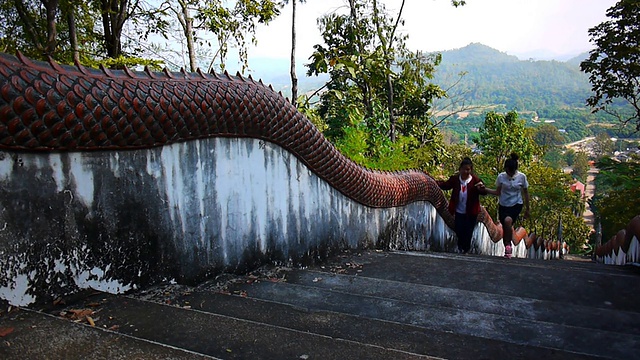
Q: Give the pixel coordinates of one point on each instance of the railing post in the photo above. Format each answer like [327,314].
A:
[598,238]
[560,238]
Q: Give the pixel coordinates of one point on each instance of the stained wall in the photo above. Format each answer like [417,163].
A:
[119,220]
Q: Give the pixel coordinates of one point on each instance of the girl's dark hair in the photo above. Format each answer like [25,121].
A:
[511,164]
[466,161]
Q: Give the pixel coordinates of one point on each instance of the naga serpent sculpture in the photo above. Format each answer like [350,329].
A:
[48,107]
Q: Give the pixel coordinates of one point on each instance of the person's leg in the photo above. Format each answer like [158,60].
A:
[460,228]
[470,223]
[507,230]
[510,216]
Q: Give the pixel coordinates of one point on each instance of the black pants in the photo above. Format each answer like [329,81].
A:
[464,229]
[511,211]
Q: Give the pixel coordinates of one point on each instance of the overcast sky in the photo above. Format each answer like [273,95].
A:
[539,29]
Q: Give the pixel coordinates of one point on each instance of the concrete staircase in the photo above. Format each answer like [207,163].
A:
[358,305]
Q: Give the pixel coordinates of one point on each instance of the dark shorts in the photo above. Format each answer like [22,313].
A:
[511,211]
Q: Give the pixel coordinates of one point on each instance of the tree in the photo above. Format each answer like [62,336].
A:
[614,65]
[68,30]
[62,30]
[137,16]
[547,137]
[294,76]
[580,166]
[352,54]
[554,158]
[386,45]
[616,189]
[364,53]
[183,14]
[552,203]
[570,156]
[42,34]
[235,25]
[504,134]
[602,145]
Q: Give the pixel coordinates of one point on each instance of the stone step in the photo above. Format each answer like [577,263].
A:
[373,305]
[359,320]
[506,319]
[564,306]
[209,328]
[31,335]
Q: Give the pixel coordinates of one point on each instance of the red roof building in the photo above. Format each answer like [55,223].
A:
[578,186]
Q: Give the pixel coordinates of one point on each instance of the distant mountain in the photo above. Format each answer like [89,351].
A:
[275,72]
[476,53]
[578,59]
[492,77]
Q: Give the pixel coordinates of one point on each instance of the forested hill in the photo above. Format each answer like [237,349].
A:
[495,78]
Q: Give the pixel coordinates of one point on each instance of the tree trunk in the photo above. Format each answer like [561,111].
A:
[387,44]
[294,77]
[392,117]
[366,91]
[73,34]
[114,15]
[187,26]
[52,8]
[29,26]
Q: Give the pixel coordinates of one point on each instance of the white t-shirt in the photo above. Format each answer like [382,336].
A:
[461,207]
[511,193]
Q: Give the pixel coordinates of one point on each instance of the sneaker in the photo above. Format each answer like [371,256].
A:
[507,251]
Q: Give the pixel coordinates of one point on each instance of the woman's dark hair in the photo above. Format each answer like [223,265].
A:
[511,164]
[466,161]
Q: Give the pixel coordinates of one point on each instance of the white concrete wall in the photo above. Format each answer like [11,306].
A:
[114,221]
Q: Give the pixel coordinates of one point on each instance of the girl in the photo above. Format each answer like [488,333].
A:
[465,202]
[513,191]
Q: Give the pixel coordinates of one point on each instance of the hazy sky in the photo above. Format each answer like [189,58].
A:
[539,29]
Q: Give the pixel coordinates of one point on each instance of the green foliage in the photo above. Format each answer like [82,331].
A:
[117,31]
[371,70]
[25,29]
[617,191]
[453,155]
[125,61]
[570,156]
[394,155]
[551,202]
[548,138]
[603,145]
[504,134]
[429,156]
[354,145]
[555,159]
[580,166]
[613,66]
[235,26]
[547,90]
[311,113]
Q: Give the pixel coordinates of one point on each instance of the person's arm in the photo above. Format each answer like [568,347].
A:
[495,192]
[498,189]
[445,185]
[525,197]
[480,187]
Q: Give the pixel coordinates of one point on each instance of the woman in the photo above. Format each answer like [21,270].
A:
[512,189]
[465,202]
